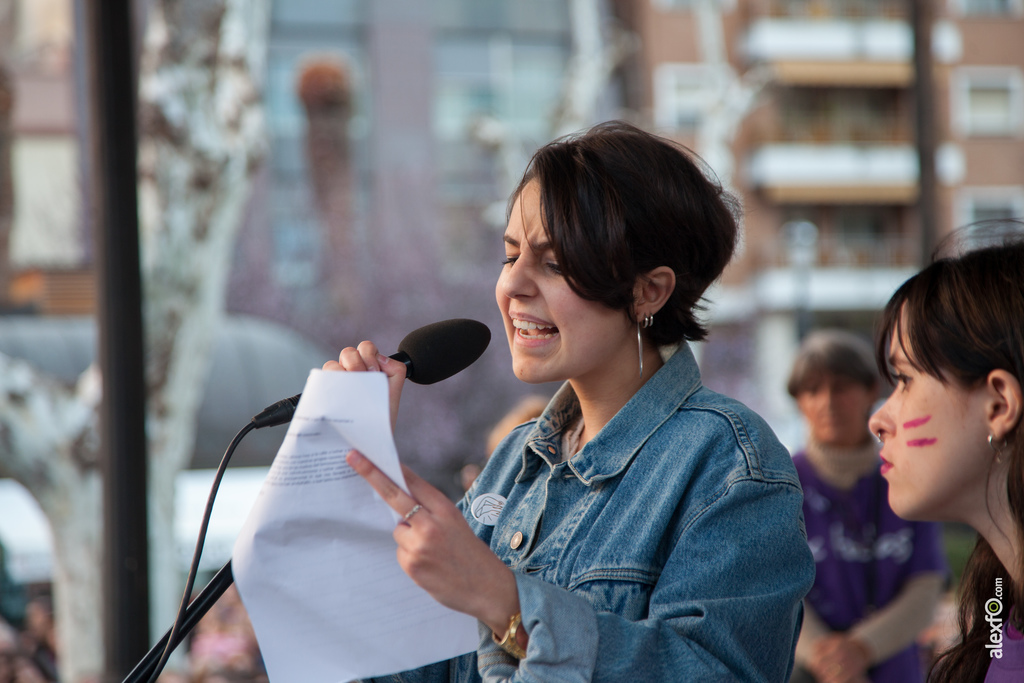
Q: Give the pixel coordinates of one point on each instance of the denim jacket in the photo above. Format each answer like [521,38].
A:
[670,548]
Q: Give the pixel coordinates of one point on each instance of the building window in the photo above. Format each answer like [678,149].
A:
[865,236]
[992,233]
[819,9]
[988,101]
[988,8]
[721,5]
[980,204]
[515,81]
[684,92]
[832,115]
[494,97]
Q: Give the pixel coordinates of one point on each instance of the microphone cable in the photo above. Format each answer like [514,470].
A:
[440,350]
[197,554]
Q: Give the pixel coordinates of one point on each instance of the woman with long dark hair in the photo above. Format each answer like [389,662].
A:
[952,340]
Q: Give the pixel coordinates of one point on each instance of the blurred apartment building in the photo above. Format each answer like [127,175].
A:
[41,267]
[804,107]
[825,158]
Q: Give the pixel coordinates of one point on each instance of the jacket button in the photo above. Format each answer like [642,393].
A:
[517,540]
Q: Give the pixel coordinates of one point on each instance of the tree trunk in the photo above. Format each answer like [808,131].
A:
[201,143]
[48,443]
[76,520]
[590,66]
[734,97]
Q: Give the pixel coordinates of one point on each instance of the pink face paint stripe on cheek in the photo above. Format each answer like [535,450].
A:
[921,442]
[917,422]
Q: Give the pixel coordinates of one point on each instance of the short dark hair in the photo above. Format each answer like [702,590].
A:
[832,352]
[617,202]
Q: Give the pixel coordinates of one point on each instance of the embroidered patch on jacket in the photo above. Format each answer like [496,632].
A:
[487,507]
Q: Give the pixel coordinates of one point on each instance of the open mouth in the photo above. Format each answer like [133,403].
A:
[529,330]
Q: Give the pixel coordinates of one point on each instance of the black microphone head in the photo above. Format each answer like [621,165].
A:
[440,350]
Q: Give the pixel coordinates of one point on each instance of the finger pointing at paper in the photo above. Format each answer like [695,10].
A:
[436,547]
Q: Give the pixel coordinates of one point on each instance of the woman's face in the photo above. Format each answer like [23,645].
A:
[553,333]
[836,409]
[935,454]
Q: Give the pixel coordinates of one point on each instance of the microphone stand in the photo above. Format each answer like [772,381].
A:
[196,610]
[445,348]
[152,663]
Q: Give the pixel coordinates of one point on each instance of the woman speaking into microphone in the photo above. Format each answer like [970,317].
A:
[643,528]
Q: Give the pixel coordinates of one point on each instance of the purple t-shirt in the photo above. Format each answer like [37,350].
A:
[1008,668]
[857,565]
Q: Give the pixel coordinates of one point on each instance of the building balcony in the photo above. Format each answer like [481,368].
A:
[832,50]
[845,251]
[820,290]
[840,173]
[829,129]
[824,9]
[54,291]
[829,289]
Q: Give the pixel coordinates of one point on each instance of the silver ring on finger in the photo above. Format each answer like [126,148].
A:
[408,515]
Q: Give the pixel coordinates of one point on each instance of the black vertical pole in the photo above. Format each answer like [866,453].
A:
[122,420]
[924,118]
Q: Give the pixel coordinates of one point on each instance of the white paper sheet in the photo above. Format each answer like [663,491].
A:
[315,561]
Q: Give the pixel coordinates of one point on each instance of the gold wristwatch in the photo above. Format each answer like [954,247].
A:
[509,643]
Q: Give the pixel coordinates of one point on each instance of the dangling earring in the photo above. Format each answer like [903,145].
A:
[648,321]
[640,345]
[998,450]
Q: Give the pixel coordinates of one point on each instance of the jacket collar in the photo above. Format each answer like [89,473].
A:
[611,451]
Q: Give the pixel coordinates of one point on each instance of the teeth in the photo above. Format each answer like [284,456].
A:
[524,325]
[527,326]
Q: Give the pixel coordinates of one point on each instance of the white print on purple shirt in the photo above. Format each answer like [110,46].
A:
[898,545]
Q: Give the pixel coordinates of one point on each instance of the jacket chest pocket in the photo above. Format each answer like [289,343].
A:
[626,592]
